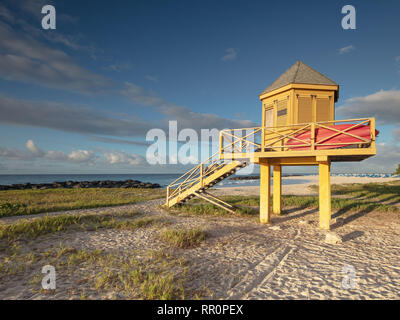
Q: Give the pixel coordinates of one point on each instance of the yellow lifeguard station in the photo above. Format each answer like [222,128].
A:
[298,129]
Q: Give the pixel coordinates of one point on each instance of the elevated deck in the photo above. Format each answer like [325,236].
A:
[302,144]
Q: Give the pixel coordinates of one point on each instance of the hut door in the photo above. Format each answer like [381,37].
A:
[269,117]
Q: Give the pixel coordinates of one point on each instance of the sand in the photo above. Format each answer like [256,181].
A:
[242,259]
[300,188]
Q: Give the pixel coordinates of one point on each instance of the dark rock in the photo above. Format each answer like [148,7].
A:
[82,184]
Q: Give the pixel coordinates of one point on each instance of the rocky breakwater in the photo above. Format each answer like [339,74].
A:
[82,184]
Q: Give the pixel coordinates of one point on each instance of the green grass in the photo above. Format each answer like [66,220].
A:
[51,224]
[26,202]
[147,278]
[156,275]
[371,196]
[151,277]
[204,208]
[383,192]
[246,205]
[183,238]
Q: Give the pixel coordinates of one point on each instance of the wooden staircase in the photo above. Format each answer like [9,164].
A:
[198,180]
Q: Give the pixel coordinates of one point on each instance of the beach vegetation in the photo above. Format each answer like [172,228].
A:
[384,193]
[183,238]
[59,223]
[104,273]
[247,206]
[27,202]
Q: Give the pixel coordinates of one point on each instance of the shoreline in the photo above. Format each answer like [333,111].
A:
[299,184]
[300,188]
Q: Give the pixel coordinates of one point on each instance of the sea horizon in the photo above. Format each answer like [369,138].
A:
[163,179]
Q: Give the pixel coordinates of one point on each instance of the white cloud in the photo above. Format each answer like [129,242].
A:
[82,156]
[56,155]
[386,160]
[383,105]
[14,154]
[24,59]
[231,54]
[346,49]
[30,145]
[123,158]
[152,78]
[119,141]
[186,118]
[34,152]
[70,118]
[104,158]
[140,96]
[86,120]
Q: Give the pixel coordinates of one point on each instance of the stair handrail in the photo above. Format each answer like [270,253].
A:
[187,183]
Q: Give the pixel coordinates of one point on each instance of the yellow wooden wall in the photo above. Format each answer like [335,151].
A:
[298,105]
[313,106]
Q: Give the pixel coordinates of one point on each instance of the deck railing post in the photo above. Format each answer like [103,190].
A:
[262,139]
[372,127]
[201,174]
[168,195]
[221,144]
[312,136]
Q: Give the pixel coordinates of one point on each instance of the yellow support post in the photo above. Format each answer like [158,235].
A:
[168,192]
[221,144]
[277,192]
[313,136]
[265,193]
[324,195]
[201,174]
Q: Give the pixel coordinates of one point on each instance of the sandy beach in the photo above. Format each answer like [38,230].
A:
[300,188]
[241,258]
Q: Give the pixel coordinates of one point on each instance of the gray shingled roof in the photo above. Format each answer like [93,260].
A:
[300,73]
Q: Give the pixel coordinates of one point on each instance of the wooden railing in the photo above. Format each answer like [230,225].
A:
[294,137]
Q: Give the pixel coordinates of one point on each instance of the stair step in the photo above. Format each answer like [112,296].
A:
[234,167]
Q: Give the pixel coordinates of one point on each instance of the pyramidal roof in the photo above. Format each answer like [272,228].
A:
[300,73]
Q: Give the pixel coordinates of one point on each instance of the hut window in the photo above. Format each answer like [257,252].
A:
[282,112]
[269,117]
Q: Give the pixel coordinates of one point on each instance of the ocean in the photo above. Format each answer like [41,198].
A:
[161,179]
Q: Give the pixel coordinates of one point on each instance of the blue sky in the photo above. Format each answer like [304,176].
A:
[81,98]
